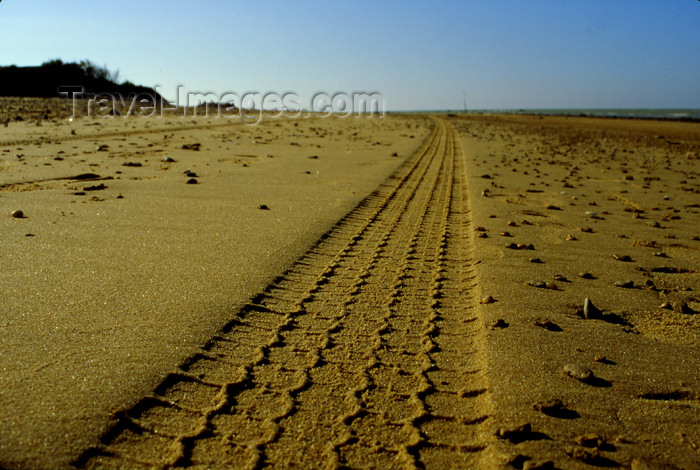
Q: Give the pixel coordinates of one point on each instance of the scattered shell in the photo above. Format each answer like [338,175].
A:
[488,300]
[17,214]
[625,258]
[666,305]
[578,372]
[589,310]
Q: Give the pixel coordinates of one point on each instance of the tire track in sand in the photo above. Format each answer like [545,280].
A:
[363,354]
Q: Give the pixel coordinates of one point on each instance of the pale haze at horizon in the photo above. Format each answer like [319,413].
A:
[417,55]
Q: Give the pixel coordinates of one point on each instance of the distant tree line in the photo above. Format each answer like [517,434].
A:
[44,81]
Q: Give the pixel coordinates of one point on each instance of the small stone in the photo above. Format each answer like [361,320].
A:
[625,284]
[480,229]
[536,260]
[559,277]
[512,246]
[482,235]
[17,214]
[263,207]
[586,275]
[586,229]
[190,174]
[192,181]
[547,325]
[515,433]
[661,254]
[488,300]
[511,224]
[486,176]
[551,286]
[538,284]
[571,238]
[103,148]
[578,372]
[29,235]
[582,455]
[666,305]
[168,159]
[506,234]
[600,358]
[553,208]
[548,406]
[499,324]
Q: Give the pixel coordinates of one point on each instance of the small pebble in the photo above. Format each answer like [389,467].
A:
[559,277]
[488,300]
[548,406]
[500,323]
[263,207]
[625,284]
[192,181]
[553,208]
[482,235]
[666,305]
[571,238]
[506,234]
[586,229]
[538,284]
[536,260]
[511,224]
[480,229]
[17,214]
[515,433]
[583,455]
[547,325]
[168,159]
[602,359]
[578,372]
[586,275]
[661,254]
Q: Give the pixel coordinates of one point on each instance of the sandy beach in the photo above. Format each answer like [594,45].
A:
[410,291]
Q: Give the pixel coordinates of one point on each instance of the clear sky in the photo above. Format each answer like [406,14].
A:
[418,55]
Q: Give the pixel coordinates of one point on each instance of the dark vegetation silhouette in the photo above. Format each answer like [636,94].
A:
[51,77]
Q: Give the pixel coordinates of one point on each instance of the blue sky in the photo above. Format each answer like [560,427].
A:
[418,55]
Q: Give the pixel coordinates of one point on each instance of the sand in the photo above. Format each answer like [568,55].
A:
[300,306]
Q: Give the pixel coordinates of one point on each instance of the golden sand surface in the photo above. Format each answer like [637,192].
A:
[397,292]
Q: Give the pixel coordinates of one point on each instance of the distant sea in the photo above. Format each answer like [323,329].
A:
[635,113]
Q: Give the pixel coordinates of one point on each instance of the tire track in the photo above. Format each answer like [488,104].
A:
[364,353]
